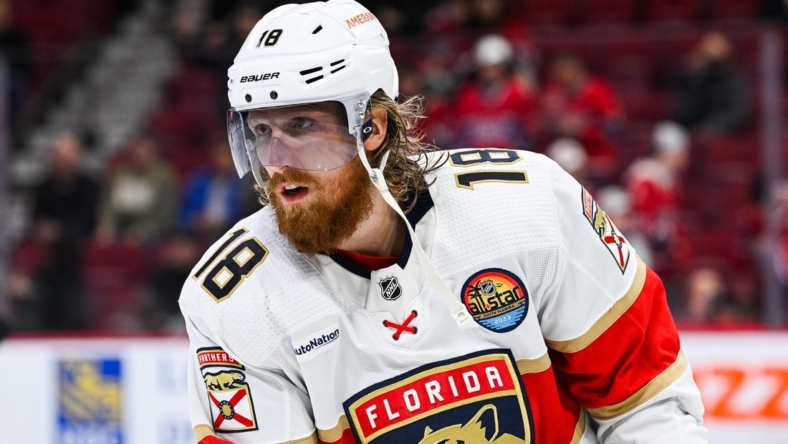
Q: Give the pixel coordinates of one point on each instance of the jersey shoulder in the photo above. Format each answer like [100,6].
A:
[493,202]
[494,176]
[251,288]
[469,167]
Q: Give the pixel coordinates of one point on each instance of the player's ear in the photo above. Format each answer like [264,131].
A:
[379,128]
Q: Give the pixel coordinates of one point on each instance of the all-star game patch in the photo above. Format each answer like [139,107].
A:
[477,398]
[613,240]
[496,298]
[229,396]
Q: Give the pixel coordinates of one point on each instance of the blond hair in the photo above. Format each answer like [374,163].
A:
[407,163]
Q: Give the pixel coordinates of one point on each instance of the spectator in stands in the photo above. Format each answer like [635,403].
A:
[16,54]
[64,208]
[654,185]
[498,17]
[186,21]
[653,181]
[710,301]
[578,104]
[220,40]
[492,108]
[65,201]
[141,199]
[476,18]
[213,200]
[26,311]
[176,259]
[713,96]
[570,155]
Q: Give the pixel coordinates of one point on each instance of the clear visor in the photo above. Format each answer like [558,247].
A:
[311,137]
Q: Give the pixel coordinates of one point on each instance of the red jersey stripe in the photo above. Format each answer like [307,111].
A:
[638,346]
[555,413]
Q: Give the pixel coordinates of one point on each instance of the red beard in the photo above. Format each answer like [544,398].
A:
[331,215]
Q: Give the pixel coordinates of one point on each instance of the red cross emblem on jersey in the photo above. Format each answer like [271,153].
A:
[232,410]
[606,230]
[617,241]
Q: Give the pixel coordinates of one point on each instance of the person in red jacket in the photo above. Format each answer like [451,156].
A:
[492,108]
[655,187]
[583,106]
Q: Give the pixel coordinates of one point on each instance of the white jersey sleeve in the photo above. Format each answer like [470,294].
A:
[238,400]
[611,335]
[226,397]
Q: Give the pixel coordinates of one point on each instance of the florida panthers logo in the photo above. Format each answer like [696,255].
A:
[473,399]
[229,397]
[496,298]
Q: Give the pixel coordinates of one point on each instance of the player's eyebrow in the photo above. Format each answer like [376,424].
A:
[316,111]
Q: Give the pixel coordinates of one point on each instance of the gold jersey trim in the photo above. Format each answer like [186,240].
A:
[202,430]
[537,365]
[607,319]
[334,433]
[580,428]
[656,385]
[311,439]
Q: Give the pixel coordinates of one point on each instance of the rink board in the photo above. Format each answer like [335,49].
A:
[133,390]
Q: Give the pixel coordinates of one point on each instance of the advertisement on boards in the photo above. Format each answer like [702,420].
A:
[94,391]
[133,391]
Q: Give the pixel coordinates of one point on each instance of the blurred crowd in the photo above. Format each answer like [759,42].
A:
[110,252]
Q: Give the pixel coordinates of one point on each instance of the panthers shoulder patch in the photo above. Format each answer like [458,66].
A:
[606,230]
[229,396]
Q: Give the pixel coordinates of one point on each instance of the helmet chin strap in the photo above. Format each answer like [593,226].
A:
[456,309]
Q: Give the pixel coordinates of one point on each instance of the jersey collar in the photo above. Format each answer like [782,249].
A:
[423,204]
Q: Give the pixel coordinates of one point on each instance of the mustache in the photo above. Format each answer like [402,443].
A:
[293,176]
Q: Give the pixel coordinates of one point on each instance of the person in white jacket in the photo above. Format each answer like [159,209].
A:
[393,294]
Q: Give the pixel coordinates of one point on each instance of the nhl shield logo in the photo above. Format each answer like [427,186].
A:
[487,287]
[390,288]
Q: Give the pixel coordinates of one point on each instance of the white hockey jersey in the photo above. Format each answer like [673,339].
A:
[573,341]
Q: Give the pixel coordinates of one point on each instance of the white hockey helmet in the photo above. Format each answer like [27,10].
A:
[334,51]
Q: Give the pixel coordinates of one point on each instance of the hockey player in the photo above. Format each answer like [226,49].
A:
[392,295]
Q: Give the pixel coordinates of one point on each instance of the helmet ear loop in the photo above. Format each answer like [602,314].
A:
[375,174]
[366,131]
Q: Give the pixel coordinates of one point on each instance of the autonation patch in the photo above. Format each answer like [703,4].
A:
[90,401]
[316,343]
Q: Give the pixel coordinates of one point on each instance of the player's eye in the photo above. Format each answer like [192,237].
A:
[262,130]
[301,123]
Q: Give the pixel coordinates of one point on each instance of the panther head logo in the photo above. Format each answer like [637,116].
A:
[482,428]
